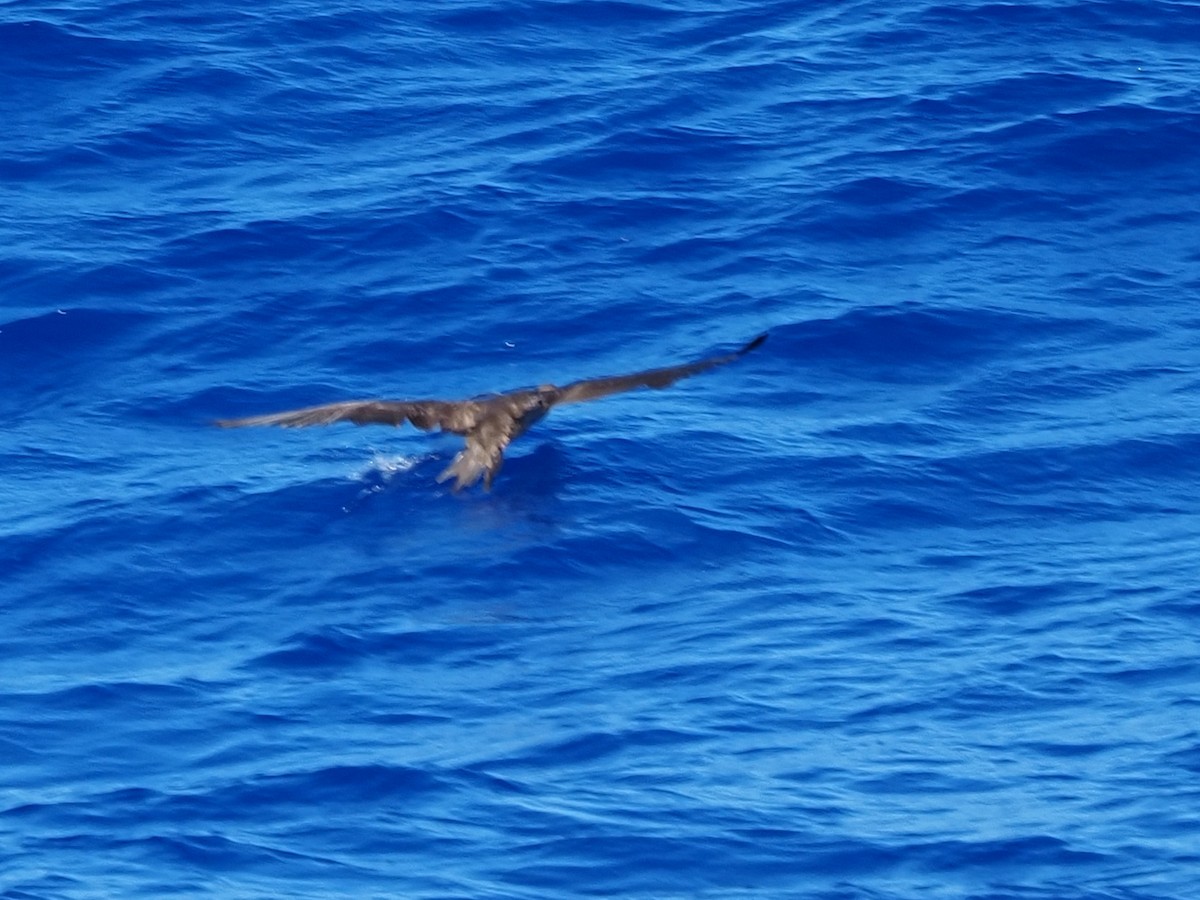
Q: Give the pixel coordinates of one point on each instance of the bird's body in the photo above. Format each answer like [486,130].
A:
[489,423]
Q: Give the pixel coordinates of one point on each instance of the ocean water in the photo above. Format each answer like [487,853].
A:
[904,605]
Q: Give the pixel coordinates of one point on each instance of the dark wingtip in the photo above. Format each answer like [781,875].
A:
[757,342]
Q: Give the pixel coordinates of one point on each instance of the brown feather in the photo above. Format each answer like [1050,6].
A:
[427,415]
[592,388]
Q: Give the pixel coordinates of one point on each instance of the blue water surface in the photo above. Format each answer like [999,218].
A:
[904,605]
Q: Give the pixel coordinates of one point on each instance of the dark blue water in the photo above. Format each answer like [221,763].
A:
[903,606]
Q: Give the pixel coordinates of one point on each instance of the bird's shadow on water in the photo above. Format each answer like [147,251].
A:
[528,482]
[410,521]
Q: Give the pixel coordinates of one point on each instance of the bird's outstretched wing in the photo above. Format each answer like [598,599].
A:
[592,388]
[427,415]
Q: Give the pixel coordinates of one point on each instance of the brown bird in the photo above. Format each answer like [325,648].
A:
[490,422]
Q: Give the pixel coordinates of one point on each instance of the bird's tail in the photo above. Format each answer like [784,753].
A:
[468,466]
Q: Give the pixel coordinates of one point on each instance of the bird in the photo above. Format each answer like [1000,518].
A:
[489,422]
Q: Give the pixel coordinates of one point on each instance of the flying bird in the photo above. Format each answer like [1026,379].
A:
[489,422]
